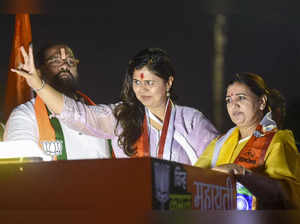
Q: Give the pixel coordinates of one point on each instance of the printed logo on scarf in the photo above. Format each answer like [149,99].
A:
[52,148]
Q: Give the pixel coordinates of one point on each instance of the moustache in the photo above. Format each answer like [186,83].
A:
[57,76]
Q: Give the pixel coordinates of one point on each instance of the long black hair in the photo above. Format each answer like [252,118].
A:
[130,113]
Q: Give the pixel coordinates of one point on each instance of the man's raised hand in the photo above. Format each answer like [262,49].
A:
[28,69]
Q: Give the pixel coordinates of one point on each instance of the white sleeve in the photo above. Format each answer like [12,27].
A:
[22,124]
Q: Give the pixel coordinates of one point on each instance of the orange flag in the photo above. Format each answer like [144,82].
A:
[17,90]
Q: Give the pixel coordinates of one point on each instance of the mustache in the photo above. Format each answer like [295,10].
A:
[63,71]
[68,80]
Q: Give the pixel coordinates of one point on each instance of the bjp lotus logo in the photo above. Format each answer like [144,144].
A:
[52,148]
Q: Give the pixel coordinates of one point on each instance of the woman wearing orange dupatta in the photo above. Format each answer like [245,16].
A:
[263,158]
[146,123]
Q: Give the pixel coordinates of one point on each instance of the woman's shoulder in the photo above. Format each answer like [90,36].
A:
[284,135]
[186,110]
[284,139]
[193,119]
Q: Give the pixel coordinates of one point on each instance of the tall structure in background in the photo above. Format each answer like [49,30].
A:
[17,91]
[220,10]
[218,69]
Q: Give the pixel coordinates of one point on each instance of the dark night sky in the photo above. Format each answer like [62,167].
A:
[263,38]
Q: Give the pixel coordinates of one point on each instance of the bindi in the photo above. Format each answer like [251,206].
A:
[63,53]
[142,75]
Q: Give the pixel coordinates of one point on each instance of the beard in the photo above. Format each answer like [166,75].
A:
[64,82]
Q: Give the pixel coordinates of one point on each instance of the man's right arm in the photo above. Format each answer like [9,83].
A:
[22,124]
[52,98]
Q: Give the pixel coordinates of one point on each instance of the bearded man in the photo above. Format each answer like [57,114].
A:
[33,121]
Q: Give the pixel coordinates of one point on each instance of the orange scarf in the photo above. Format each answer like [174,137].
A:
[46,131]
[253,154]
[142,144]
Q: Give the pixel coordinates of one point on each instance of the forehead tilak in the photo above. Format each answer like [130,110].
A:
[62,52]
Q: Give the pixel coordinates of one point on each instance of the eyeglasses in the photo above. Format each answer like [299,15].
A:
[58,61]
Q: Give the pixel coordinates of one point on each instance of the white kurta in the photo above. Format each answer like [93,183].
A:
[22,125]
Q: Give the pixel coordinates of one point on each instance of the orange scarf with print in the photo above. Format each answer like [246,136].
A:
[253,154]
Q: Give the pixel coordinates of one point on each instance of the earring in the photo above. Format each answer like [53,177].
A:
[168,93]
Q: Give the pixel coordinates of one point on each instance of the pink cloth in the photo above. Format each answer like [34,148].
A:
[99,121]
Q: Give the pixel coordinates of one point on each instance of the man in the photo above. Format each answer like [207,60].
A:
[32,120]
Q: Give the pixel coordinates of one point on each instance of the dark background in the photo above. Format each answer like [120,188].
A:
[262,37]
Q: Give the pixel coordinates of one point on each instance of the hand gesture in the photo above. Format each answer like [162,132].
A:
[28,70]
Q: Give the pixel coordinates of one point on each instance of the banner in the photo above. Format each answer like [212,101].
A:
[17,91]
